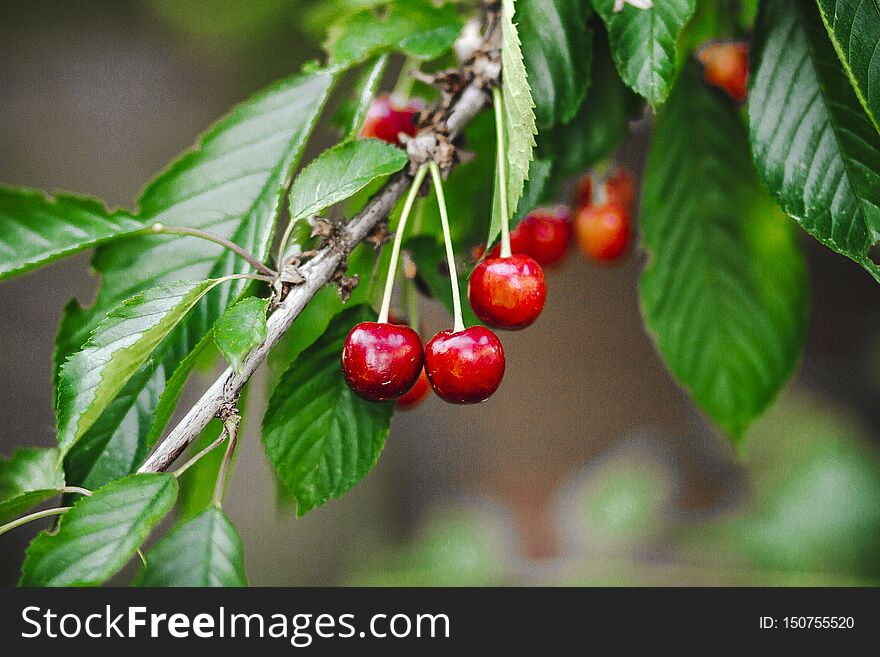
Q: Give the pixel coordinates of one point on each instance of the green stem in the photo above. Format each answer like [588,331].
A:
[231,428]
[403,86]
[198,457]
[498,102]
[398,240]
[458,324]
[34,516]
[162,229]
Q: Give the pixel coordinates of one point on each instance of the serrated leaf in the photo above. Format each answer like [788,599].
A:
[122,343]
[321,438]
[854,28]
[415,27]
[557,49]
[27,478]
[241,328]
[205,551]
[723,293]
[100,533]
[351,117]
[519,128]
[812,145]
[230,184]
[643,43]
[36,230]
[340,172]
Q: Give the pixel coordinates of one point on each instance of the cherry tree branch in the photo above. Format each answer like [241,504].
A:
[479,74]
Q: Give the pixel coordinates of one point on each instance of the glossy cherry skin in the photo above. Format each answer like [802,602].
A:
[551,233]
[386,121]
[603,231]
[620,189]
[726,66]
[465,367]
[381,361]
[507,293]
[416,394]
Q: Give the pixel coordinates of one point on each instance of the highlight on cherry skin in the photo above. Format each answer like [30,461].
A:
[381,361]
[507,293]
[465,367]
[386,120]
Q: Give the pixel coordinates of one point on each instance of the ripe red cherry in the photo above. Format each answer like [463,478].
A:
[386,121]
[603,231]
[507,293]
[620,189]
[550,232]
[726,66]
[381,361]
[465,367]
[416,394]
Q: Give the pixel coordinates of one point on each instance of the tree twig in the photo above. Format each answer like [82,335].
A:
[482,72]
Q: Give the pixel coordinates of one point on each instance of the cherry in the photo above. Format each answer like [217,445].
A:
[381,361]
[620,190]
[726,66]
[507,293]
[550,234]
[465,367]
[416,394]
[385,120]
[520,242]
[603,231]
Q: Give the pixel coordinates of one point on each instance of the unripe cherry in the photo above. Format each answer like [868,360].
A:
[603,231]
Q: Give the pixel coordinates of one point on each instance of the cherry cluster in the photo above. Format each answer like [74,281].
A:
[385,360]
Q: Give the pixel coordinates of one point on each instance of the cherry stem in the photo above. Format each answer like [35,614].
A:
[34,516]
[231,428]
[498,103]
[398,240]
[458,324]
[248,257]
[203,453]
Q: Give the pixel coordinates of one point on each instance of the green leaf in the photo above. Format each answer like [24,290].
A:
[519,119]
[240,329]
[643,43]
[352,115]
[321,438]
[415,27]
[854,28]
[100,533]
[813,147]
[340,172]
[724,291]
[91,378]
[36,230]
[600,125]
[230,184]
[557,48]
[205,551]
[27,478]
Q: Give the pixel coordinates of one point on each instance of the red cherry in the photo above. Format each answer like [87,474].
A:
[520,242]
[386,121]
[507,293]
[465,367]
[551,233]
[416,394]
[726,66]
[620,189]
[381,361]
[603,231]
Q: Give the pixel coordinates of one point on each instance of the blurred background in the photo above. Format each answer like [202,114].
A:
[589,466]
